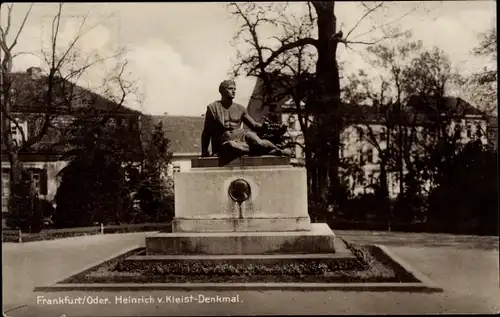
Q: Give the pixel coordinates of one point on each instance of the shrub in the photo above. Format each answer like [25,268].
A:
[91,191]
[156,202]
[25,209]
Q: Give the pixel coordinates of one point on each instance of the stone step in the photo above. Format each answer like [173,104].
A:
[242,225]
[320,239]
[269,259]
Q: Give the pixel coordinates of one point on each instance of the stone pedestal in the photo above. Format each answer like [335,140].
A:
[277,199]
[253,205]
[320,239]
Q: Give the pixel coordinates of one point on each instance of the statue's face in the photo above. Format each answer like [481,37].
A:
[229,91]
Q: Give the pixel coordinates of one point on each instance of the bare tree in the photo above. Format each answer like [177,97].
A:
[54,93]
[407,93]
[481,87]
[358,91]
[430,77]
[262,58]
[7,63]
[394,59]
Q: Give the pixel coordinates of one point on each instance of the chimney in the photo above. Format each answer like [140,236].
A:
[34,72]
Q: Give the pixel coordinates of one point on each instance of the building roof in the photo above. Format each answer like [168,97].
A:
[24,84]
[416,111]
[281,88]
[452,106]
[184,132]
[28,99]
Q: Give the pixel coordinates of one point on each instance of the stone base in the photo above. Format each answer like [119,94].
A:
[320,239]
[242,225]
[341,253]
[276,194]
[241,162]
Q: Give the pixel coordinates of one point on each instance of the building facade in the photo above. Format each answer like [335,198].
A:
[184,134]
[43,159]
[365,137]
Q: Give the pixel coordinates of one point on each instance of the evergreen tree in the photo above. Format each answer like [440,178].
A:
[94,185]
[155,199]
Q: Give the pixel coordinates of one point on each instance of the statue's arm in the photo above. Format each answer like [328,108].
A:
[207,133]
[250,122]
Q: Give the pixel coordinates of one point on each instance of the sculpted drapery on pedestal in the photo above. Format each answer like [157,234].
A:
[223,129]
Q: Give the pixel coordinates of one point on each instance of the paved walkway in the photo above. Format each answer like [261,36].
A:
[467,268]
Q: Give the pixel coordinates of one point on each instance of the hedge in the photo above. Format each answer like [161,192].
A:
[52,234]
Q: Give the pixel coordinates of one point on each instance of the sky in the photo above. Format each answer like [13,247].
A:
[178,53]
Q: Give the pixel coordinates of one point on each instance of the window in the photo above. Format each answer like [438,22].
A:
[291,122]
[361,157]
[17,134]
[39,183]
[369,156]
[361,135]
[372,179]
[5,191]
[133,124]
[36,178]
[469,131]
[479,132]
[177,169]
[382,134]
[112,123]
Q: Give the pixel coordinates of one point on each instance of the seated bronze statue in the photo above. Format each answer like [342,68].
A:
[223,129]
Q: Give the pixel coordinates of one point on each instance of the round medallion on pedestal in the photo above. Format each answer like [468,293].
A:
[239,190]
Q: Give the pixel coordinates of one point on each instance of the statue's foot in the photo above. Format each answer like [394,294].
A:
[275,152]
[281,152]
[286,152]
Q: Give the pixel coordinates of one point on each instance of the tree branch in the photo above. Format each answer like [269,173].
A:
[390,22]
[9,18]
[73,43]
[363,17]
[287,47]
[21,27]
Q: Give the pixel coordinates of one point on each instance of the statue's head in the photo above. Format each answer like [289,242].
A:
[227,88]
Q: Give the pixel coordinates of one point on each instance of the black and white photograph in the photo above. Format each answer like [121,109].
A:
[249,158]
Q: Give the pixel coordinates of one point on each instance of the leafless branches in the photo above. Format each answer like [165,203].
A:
[259,56]
[57,92]
[6,68]
[7,49]
[367,13]
[388,23]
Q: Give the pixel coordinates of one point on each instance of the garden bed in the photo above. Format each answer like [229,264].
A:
[371,265]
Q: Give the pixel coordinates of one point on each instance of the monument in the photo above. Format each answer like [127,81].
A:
[244,198]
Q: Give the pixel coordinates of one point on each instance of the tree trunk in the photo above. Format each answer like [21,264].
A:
[384,193]
[10,149]
[328,98]
[384,188]
[15,167]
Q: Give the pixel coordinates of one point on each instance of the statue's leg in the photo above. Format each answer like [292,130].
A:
[238,146]
[231,150]
[263,147]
